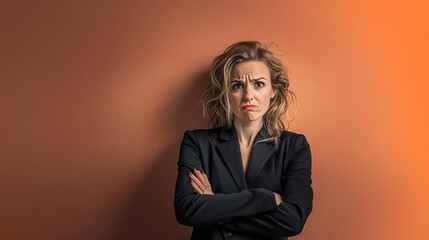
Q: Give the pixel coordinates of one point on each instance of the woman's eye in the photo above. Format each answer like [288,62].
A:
[237,86]
[259,84]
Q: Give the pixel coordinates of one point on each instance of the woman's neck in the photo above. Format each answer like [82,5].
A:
[247,131]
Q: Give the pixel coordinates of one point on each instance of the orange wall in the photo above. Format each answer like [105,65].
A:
[95,97]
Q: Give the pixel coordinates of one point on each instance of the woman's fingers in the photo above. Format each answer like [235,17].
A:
[200,177]
[206,180]
[200,182]
[208,186]
[197,182]
[278,198]
[195,187]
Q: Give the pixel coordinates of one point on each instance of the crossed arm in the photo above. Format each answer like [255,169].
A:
[258,211]
[201,184]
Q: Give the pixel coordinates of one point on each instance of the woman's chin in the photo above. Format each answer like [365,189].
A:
[248,117]
[252,117]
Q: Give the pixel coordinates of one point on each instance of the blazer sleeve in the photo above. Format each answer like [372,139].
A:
[289,217]
[194,209]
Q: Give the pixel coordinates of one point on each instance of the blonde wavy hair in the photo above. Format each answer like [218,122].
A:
[216,102]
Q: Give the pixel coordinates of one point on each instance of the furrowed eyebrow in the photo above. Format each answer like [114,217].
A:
[236,80]
[256,79]
[251,80]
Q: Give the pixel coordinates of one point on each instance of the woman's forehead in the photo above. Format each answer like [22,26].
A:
[251,69]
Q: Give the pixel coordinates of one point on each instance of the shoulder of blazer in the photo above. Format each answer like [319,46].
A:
[212,135]
[288,135]
[293,139]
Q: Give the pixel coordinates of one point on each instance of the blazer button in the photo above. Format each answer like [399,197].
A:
[228,235]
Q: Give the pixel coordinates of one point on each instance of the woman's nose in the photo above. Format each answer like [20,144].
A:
[248,94]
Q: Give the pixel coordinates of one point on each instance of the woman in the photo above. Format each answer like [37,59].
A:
[246,177]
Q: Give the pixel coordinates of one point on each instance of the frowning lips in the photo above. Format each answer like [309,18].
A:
[249,107]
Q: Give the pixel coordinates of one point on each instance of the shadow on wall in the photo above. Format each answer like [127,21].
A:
[150,212]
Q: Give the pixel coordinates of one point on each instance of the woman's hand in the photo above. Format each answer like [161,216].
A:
[279,198]
[200,182]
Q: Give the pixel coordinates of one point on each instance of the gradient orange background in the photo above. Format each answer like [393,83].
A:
[95,97]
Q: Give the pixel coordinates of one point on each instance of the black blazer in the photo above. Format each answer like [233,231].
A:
[244,205]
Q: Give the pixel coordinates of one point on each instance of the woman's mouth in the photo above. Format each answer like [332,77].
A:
[249,107]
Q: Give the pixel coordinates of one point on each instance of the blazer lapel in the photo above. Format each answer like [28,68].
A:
[261,152]
[229,150]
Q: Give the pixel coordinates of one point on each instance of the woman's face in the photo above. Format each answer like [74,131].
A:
[250,90]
